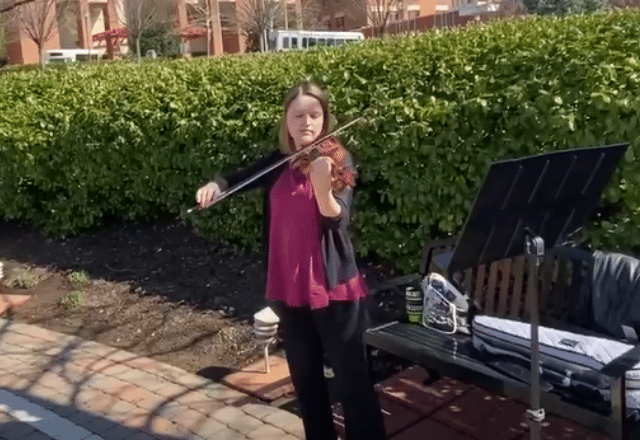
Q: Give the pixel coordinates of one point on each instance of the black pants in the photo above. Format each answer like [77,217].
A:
[335,331]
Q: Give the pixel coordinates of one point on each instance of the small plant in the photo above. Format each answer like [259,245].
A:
[71,300]
[80,277]
[23,279]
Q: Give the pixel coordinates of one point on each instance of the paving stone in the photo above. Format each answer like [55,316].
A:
[118,432]
[172,390]
[168,410]
[114,369]
[56,382]
[430,429]
[143,379]
[14,382]
[230,434]
[281,419]
[222,393]
[246,424]
[140,436]
[9,364]
[465,413]
[85,394]
[121,411]
[236,419]
[161,426]
[37,435]
[555,427]
[189,418]
[95,424]
[95,348]
[259,410]
[291,437]
[506,422]
[142,363]
[151,401]
[44,391]
[209,429]
[107,384]
[296,429]
[228,414]
[207,408]
[100,365]
[22,328]
[266,432]
[133,393]
[13,429]
[191,380]
[101,404]
[73,433]
[409,389]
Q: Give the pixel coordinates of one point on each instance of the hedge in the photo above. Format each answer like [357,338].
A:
[84,144]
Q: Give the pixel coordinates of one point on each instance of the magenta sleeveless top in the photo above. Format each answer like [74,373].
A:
[296,273]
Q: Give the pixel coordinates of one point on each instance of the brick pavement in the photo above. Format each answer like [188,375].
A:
[60,387]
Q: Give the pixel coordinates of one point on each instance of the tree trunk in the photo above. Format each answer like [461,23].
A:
[41,52]
[138,47]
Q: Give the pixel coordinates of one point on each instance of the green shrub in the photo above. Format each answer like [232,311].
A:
[136,141]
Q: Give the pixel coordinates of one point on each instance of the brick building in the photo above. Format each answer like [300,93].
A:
[99,25]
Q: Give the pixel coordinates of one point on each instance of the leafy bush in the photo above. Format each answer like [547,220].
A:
[134,141]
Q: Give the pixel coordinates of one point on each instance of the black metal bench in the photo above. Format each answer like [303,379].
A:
[500,289]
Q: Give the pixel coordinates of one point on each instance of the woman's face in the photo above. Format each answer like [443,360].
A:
[305,119]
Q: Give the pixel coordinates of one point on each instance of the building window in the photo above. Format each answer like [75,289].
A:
[340,23]
[413,14]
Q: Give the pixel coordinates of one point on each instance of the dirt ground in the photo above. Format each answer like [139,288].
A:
[158,290]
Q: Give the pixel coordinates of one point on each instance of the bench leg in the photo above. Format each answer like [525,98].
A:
[619,425]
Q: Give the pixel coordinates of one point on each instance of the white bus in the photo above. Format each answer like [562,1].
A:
[70,55]
[295,39]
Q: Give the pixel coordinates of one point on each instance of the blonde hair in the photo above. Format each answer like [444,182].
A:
[311,88]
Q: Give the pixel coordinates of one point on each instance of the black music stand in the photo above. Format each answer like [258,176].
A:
[532,204]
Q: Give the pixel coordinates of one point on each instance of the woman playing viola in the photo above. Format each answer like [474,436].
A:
[313,283]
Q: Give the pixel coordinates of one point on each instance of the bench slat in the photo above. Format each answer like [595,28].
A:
[547,269]
[480,278]
[489,307]
[503,293]
[518,279]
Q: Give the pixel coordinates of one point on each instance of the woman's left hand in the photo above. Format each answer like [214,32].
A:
[320,172]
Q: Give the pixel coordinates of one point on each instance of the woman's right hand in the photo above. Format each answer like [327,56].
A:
[207,194]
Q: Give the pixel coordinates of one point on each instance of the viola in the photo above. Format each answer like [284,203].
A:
[341,175]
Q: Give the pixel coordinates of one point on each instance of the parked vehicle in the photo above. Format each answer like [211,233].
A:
[70,55]
[289,39]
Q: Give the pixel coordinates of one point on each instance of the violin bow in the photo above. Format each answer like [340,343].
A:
[261,173]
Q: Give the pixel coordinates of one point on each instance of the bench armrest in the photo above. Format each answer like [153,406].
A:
[434,248]
[623,363]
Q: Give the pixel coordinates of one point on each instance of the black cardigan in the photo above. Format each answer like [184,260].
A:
[337,249]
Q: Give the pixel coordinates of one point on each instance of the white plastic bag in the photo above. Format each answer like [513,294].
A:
[444,308]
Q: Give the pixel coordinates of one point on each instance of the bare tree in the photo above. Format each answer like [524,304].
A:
[310,18]
[206,13]
[9,5]
[140,15]
[3,39]
[378,12]
[38,19]
[255,18]
[511,8]
[619,4]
